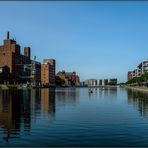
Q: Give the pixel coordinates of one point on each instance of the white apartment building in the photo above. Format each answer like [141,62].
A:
[100,82]
[143,66]
[141,69]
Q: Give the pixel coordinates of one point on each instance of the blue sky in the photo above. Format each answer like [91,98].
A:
[95,39]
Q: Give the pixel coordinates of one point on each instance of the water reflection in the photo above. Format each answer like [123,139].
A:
[48,102]
[108,92]
[67,96]
[18,108]
[14,110]
[140,100]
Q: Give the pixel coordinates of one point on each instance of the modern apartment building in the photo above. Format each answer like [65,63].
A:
[143,66]
[129,75]
[112,81]
[141,69]
[92,82]
[48,72]
[101,82]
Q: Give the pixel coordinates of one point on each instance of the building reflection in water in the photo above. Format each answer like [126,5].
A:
[140,100]
[14,110]
[48,102]
[19,107]
[110,92]
[67,96]
[35,97]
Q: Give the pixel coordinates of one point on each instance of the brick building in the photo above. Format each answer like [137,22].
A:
[48,72]
[4,74]
[11,57]
[129,75]
[37,74]
[17,65]
[70,78]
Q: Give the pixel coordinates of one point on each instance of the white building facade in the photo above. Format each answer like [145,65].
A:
[141,69]
[101,82]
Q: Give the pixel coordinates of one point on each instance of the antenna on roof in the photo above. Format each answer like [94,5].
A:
[14,39]
[34,58]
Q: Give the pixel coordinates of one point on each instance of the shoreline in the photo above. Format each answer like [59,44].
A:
[18,87]
[137,88]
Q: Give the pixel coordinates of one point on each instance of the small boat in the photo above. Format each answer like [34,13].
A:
[90,91]
[23,86]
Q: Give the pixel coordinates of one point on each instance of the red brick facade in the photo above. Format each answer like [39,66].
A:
[11,57]
[48,72]
[70,78]
[129,75]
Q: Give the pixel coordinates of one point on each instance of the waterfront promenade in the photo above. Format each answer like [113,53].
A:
[17,86]
[137,88]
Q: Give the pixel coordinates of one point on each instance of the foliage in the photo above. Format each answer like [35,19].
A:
[138,80]
[59,81]
[112,83]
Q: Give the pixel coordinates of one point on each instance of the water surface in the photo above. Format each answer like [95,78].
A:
[73,117]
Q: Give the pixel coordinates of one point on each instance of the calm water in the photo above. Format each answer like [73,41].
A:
[73,117]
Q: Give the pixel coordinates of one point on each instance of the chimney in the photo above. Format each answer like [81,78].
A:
[8,35]
[27,52]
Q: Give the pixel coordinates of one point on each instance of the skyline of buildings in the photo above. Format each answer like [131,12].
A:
[20,68]
[17,68]
[95,33]
[62,79]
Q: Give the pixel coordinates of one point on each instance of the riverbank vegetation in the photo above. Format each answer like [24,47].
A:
[142,80]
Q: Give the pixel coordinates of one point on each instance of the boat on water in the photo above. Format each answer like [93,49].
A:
[23,86]
[90,91]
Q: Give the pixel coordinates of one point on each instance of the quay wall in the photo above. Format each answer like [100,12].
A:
[137,88]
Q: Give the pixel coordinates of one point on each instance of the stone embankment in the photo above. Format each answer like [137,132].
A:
[137,88]
[6,87]
[2,86]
